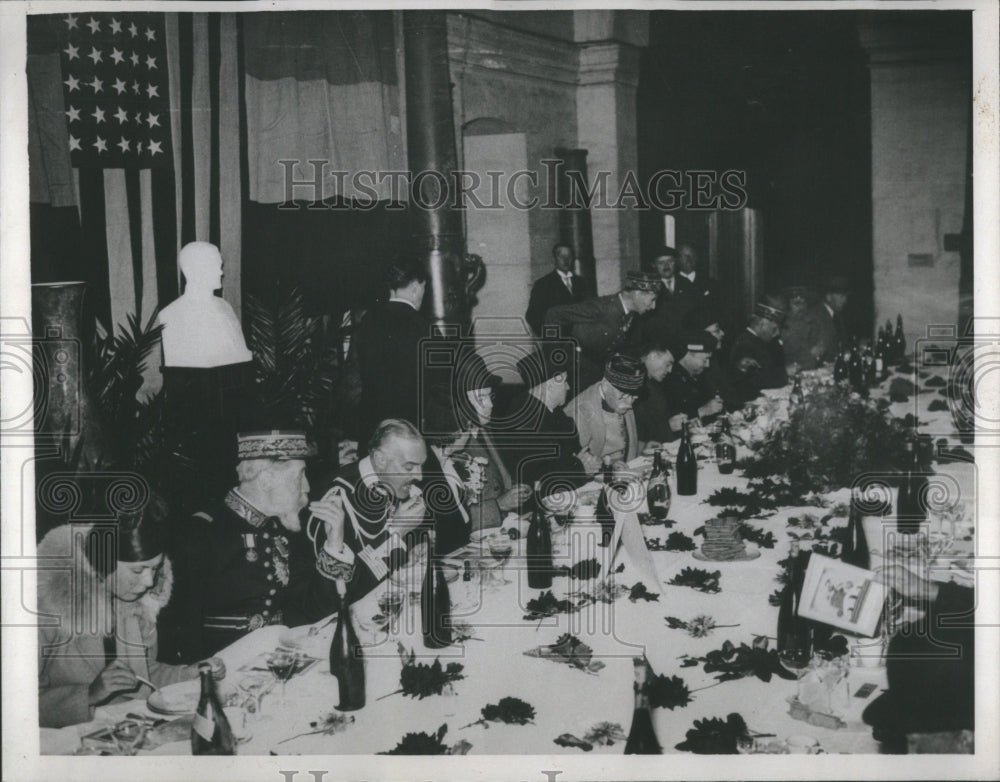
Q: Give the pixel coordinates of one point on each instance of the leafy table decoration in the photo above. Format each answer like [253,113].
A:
[463,631]
[509,711]
[761,538]
[638,591]
[421,743]
[936,382]
[937,405]
[699,579]
[570,650]
[419,680]
[605,734]
[647,520]
[715,736]
[584,570]
[668,692]
[332,723]
[698,627]
[676,541]
[546,605]
[736,662]
[569,740]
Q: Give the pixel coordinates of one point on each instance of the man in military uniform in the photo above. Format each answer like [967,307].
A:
[245,563]
[757,360]
[684,390]
[654,420]
[605,421]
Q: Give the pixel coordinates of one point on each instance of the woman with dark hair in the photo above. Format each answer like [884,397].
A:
[97,614]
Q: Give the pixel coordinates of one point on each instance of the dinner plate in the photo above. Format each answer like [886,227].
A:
[179,698]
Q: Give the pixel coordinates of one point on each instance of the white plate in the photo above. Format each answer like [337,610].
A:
[179,698]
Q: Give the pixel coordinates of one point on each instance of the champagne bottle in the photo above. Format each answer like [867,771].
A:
[725,448]
[435,604]
[346,658]
[210,731]
[658,493]
[911,508]
[840,366]
[687,465]
[641,736]
[900,340]
[855,548]
[793,632]
[539,549]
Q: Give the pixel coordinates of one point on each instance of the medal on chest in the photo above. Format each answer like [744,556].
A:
[281,559]
[250,547]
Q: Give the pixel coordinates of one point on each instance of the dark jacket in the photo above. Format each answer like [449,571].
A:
[446,516]
[769,355]
[667,318]
[550,291]
[653,413]
[388,350]
[684,392]
[829,332]
[800,335]
[600,327]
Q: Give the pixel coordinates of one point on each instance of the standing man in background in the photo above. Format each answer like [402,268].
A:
[560,286]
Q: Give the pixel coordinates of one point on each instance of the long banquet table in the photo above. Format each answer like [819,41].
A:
[565,699]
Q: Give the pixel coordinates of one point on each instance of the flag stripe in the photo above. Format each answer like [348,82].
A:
[118,254]
[94,239]
[214,72]
[134,210]
[185,51]
[229,194]
[164,235]
[241,89]
[200,125]
[174,72]
[149,286]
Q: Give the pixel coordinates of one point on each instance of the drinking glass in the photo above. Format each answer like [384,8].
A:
[282,665]
[501,547]
[255,688]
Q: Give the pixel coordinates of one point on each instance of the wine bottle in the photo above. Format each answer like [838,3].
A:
[868,365]
[881,360]
[658,493]
[840,366]
[855,548]
[467,571]
[435,604]
[798,395]
[793,632]
[604,515]
[539,550]
[687,465]
[346,658]
[855,368]
[911,506]
[900,340]
[210,731]
[725,448]
[641,736]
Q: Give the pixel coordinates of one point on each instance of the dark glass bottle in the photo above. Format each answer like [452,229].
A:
[725,448]
[435,604]
[868,365]
[855,549]
[890,345]
[658,494]
[347,661]
[210,731]
[794,643]
[539,550]
[881,358]
[467,571]
[687,465]
[798,395]
[603,513]
[855,368]
[641,736]
[900,340]
[911,505]
[840,366]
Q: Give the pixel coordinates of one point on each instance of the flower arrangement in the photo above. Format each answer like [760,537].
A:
[470,470]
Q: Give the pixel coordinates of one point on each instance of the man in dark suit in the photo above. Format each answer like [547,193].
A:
[757,359]
[560,286]
[388,350]
[675,300]
[685,391]
[606,324]
[828,320]
[696,281]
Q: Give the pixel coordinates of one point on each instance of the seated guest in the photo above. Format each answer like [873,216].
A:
[931,670]
[684,391]
[799,332]
[757,359]
[605,421]
[654,420]
[370,509]
[560,286]
[606,324]
[104,601]
[714,380]
[539,438]
[828,320]
[244,562]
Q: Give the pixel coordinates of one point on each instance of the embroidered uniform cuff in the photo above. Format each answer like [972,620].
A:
[333,567]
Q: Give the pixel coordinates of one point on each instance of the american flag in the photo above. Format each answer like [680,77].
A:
[116,90]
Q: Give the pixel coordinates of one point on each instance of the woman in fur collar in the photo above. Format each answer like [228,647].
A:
[97,604]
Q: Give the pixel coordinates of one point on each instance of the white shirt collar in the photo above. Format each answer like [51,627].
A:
[829,309]
[753,332]
[565,275]
[402,301]
[669,282]
[368,474]
[624,305]
[689,276]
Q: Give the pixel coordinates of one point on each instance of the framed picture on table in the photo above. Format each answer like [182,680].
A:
[841,595]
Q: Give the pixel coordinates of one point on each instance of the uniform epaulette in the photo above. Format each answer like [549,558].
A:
[202,515]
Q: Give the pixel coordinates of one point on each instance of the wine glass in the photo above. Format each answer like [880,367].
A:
[129,734]
[796,661]
[282,665]
[501,547]
[255,688]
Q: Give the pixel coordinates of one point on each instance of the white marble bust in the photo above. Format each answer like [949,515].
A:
[199,328]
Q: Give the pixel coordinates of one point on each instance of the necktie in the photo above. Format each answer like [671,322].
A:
[624,330]
[568,282]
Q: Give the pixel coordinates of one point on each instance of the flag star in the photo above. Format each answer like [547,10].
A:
[74,143]
[98,114]
[116,26]
[151,63]
[133,29]
[135,87]
[71,22]
[100,144]
[124,144]
[117,55]
[153,119]
[94,25]
[120,86]
[152,91]
[73,114]
[134,58]
[121,115]
[95,54]
[150,35]
[72,52]
[97,85]
[154,147]
[72,82]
